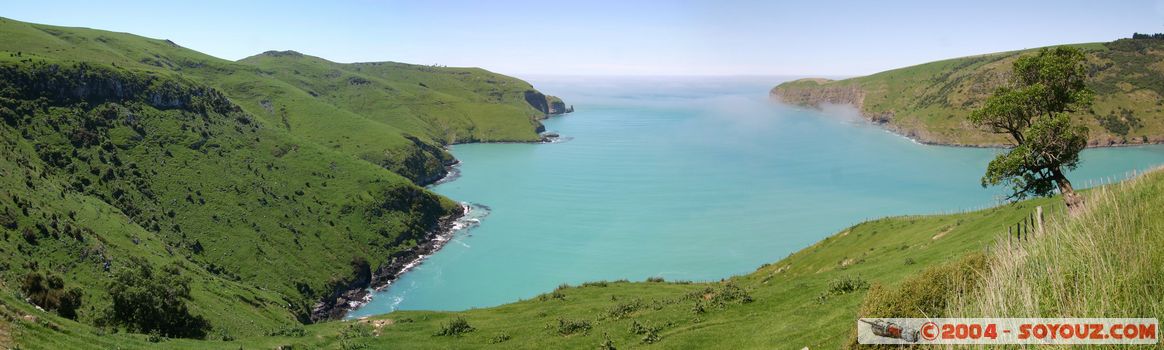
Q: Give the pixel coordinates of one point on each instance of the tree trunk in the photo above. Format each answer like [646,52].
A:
[1073,200]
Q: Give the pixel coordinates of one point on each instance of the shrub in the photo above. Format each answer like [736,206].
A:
[925,294]
[595,284]
[698,308]
[7,220]
[149,300]
[455,328]
[568,327]
[623,310]
[655,279]
[847,284]
[556,294]
[48,292]
[288,331]
[606,344]
[650,333]
[357,330]
[500,337]
[730,292]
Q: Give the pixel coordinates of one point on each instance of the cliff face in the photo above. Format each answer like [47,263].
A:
[547,104]
[814,93]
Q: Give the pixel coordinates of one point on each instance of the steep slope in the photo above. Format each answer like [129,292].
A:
[121,151]
[450,105]
[178,168]
[930,102]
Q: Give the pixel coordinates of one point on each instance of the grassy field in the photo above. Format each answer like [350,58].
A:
[930,102]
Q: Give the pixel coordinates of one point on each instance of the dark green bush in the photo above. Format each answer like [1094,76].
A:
[623,310]
[149,300]
[500,337]
[847,284]
[455,328]
[48,292]
[568,327]
[595,284]
[925,294]
[650,333]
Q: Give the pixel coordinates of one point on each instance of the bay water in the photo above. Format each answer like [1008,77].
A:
[686,179]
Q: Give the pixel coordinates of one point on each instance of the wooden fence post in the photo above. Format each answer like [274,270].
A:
[1039,217]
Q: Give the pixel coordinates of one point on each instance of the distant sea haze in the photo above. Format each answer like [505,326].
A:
[686,179]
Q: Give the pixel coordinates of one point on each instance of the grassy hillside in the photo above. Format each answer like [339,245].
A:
[391,114]
[930,102]
[1109,262]
[809,299]
[270,199]
[446,104]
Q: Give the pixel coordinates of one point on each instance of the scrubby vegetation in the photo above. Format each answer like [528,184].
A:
[456,327]
[148,188]
[153,301]
[49,293]
[1107,262]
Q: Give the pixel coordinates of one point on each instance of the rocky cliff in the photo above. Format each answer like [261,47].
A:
[547,104]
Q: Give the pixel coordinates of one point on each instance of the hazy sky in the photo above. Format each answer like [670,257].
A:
[619,37]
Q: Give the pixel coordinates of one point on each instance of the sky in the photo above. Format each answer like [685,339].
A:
[619,37]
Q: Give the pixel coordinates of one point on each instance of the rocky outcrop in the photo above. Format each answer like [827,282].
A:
[537,100]
[547,104]
[814,93]
[70,84]
[348,294]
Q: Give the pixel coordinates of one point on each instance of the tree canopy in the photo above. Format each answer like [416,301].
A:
[1034,110]
[149,300]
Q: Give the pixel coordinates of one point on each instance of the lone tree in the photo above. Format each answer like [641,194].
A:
[1033,109]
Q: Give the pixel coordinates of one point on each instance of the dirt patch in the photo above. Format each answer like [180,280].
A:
[942,234]
[5,335]
[377,325]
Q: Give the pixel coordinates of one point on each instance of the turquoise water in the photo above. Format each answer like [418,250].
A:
[689,180]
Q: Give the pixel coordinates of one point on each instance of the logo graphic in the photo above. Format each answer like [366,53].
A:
[1030,331]
[886,329]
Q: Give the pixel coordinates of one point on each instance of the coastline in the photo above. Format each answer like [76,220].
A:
[360,292]
[911,135]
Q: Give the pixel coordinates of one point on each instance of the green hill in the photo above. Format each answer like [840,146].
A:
[930,102]
[271,185]
[392,114]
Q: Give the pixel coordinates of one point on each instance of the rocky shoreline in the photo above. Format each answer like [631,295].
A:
[358,292]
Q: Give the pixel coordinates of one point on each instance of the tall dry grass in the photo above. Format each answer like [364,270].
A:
[1107,261]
